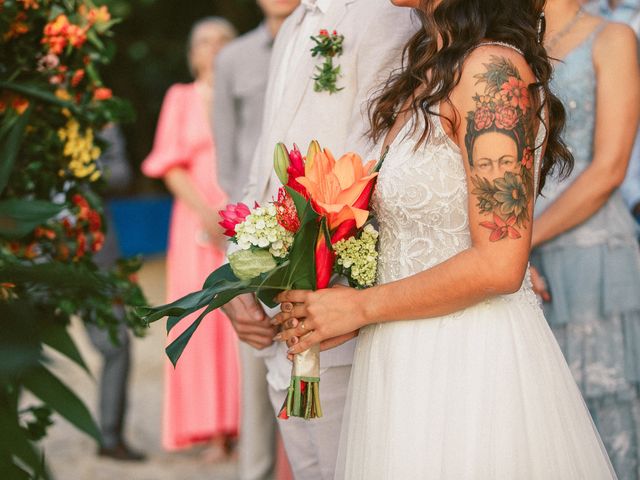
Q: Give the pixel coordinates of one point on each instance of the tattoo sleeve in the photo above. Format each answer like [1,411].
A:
[500,147]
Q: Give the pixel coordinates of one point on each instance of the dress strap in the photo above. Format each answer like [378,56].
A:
[497,43]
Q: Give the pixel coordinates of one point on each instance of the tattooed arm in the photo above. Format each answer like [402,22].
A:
[495,138]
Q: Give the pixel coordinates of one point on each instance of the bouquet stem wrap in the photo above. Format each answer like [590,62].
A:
[303,396]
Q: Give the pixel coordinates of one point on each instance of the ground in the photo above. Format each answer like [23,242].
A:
[71,454]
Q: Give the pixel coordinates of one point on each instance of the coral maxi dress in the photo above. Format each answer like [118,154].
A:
[202,393]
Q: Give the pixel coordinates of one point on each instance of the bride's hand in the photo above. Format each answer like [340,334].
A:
[327,317]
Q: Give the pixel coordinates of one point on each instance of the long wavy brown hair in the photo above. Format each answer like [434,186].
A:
[429,73]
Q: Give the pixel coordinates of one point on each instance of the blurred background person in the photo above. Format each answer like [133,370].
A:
[584,235]
[625,11]
[242,70]
[116,357]
[201,394]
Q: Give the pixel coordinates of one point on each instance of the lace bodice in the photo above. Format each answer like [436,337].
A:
[421,202]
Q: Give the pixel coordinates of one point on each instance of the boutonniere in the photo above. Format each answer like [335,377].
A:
[328,45]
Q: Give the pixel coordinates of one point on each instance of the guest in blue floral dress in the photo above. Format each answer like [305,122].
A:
[587,252]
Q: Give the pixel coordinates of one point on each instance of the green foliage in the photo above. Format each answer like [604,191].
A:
[52,100]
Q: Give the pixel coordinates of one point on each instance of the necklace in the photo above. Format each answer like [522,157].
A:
[553,41]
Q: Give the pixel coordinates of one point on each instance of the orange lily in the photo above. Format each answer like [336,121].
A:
[335,186]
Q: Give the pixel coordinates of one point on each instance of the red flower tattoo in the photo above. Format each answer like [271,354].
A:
[501,229]
[527,158]
[517,91]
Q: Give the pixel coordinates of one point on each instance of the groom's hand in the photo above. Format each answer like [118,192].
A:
[250,321]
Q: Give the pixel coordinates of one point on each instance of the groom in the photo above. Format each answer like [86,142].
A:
[374,34]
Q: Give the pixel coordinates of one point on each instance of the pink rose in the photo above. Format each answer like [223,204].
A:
[483,118]
[506,117]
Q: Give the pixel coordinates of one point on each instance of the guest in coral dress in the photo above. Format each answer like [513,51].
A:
[201,400]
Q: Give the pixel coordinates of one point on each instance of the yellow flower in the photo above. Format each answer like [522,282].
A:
[80,149]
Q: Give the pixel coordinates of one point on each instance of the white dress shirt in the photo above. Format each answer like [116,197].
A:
[309,25]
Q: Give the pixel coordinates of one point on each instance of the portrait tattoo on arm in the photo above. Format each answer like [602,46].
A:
[500,145]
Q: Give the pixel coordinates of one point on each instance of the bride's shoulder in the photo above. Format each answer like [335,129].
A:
[499,67]
[496,58]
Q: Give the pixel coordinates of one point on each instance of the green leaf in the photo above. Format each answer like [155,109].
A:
[175,349]
[56,274]
[35,92]
[299,201]
[14,440]
[93,37]
[11,146]
[191,302]
[301,272]
[46,386]
[224,273]
[20,217]
[58,338]
[19,344]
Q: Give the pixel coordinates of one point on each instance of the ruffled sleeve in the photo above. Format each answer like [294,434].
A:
[169,149]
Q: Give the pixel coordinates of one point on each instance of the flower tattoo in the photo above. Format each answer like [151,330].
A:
[500,147]
[327,45]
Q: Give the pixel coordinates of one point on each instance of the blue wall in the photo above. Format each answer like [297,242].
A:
[142,224]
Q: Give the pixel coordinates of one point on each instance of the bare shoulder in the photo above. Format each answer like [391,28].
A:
[495,58]
[615,41]
[492,70]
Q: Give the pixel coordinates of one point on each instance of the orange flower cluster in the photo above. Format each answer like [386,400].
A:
[102,93]
[30,4]
[95,15]
[61,32]
[18,27]
[14,101]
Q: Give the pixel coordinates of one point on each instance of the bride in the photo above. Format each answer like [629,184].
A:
[456,373]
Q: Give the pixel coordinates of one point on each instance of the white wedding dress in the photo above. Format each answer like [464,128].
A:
[483,393]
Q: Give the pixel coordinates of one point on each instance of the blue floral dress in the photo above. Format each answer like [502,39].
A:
[593,273]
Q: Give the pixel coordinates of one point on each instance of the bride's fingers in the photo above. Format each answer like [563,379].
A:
[293,296]
[305,343]
[292,311]
[302,328]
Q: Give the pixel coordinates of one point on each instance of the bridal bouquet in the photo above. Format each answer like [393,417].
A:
[318,226]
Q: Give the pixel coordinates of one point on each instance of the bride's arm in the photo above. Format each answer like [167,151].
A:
[496,132]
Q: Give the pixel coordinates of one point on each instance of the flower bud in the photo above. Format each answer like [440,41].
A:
[248,264]
[281,162]
[314,148]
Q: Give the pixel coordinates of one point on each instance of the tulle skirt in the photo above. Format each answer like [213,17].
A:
[481,394]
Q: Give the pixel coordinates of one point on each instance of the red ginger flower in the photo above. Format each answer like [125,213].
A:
[233,215]
[286,212]
[296,170]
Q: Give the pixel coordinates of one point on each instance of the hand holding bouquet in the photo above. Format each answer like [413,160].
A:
[317,226]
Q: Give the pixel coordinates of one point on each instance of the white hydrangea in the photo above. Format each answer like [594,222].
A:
[261,229]
[358,257]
